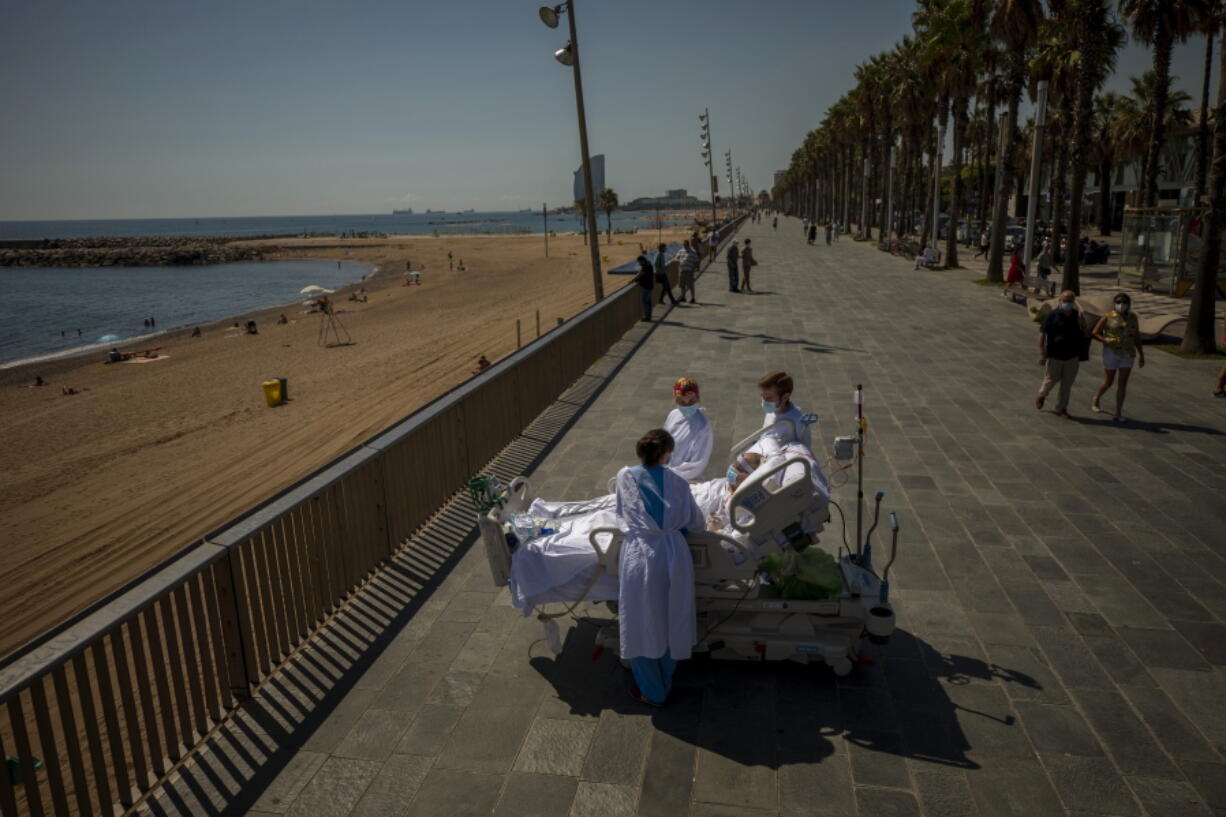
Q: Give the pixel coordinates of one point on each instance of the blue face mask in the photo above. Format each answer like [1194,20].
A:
[688,411]
[768,406]
[1066,306]
[732,475]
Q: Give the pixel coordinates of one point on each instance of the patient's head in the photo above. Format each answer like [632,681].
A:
[776,390]
[655,447]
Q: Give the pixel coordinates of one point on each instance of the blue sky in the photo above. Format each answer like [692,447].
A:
[135,108]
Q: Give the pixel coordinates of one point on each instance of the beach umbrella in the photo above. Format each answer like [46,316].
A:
[109,338]
[314,290]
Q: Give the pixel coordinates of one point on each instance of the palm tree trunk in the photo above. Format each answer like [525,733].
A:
[937,156]
[1017,73]
[955,187]
[1157,139]
[1202,128]
[1091,18]
[1198,334]
[1106,207]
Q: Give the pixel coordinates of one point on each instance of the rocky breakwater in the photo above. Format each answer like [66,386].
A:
[140,251]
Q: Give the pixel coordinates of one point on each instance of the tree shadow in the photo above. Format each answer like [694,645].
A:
[734,335]
[1153,427]
[905,700]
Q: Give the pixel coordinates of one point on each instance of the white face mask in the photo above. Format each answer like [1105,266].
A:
[1121,307]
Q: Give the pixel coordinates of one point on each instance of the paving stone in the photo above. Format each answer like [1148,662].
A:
[429,730]
[1119,661]
[1174,731]
[456,794]
[1091,624]
[1090,784]
[887,802]
[456,688]
[375,735]
[394,787]
[1057,729]
[1209,780]
[555,747]
[618,750]
[604,800]
[877,760]
[1208,638]
[1168,798]
[1013,786]
[335,789]
[944,793]
[668,777]
[1162,648]
[735,759]
[1125,737]
[486,739]
[289,781]
[536,795]
[1071,658]
[1199,695]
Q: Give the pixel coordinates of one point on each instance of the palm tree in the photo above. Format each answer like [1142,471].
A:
[1015,23]
[1198,333]
[1134,121]
[1106,109]
[1209,26]
[1097,40]
[609,203]
[1161,24]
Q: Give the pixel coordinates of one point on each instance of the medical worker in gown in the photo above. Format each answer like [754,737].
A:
[693,437]
[656,574]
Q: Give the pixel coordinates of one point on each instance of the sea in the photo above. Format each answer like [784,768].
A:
[89,303]
[52,312]
[497,223]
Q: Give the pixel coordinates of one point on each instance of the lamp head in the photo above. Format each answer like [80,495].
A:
[549,15]
[702,117]
[565,55]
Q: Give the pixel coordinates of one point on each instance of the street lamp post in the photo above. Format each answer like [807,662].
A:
[569,56]
[705,119]
[1036,159]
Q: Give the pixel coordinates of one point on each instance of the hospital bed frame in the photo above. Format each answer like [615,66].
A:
[741,616]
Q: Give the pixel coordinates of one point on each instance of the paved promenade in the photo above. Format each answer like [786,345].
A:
[1061,589]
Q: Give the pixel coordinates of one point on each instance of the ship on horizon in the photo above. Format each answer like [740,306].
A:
[407,212]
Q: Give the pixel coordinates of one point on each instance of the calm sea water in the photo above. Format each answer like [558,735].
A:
[416,224]
[40,303]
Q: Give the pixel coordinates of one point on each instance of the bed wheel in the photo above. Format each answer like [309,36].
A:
[842,666]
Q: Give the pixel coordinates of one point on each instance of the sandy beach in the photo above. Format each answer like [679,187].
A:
[102,485]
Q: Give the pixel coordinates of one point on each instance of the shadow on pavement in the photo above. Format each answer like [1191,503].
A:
[734,335]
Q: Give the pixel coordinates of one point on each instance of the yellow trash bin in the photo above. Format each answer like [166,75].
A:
[272,392]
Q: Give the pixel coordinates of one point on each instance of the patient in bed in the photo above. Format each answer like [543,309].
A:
[559,566]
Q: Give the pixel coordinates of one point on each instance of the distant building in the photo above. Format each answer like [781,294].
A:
[597,163]
[671,200]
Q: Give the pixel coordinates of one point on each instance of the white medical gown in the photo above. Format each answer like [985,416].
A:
[656,574]
[694,440]
[796,416]
[559,566]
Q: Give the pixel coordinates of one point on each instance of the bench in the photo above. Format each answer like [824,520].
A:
[1031,284]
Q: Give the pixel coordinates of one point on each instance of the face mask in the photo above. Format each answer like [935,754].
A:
[688,411]
[768,406]
[1121,307]
[1067,307]
[732,475]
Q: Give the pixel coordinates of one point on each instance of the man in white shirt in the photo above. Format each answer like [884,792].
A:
[691,431]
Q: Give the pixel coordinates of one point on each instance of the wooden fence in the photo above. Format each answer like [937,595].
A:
[102,710]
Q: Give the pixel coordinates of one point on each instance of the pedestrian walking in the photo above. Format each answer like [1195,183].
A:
[1063,344]
[1044,260]
[829,232]
[804,222]
[661,265]
[747,263]
[812,233]
[687,268]
[733,256]
[1014,275]
[712,242]
[775,223]
[838,228]
[985,243]
[646,280]
[1120,335]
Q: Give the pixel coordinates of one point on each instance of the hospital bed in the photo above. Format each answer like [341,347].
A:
[741,614]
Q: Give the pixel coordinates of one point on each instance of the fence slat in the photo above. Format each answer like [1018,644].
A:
[25,756]
[145,688]
[208,643]
[68,724]
[151,632]
[191,662]
[257,618]
[8,799]
[174,662]
[123,678]
[51,755]
[106,697]
[89,719]
[223,596]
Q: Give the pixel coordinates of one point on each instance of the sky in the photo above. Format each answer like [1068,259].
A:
[168,108]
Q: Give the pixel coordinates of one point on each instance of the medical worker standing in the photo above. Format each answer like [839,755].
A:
[776,391]
[691,431]
[655,598]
